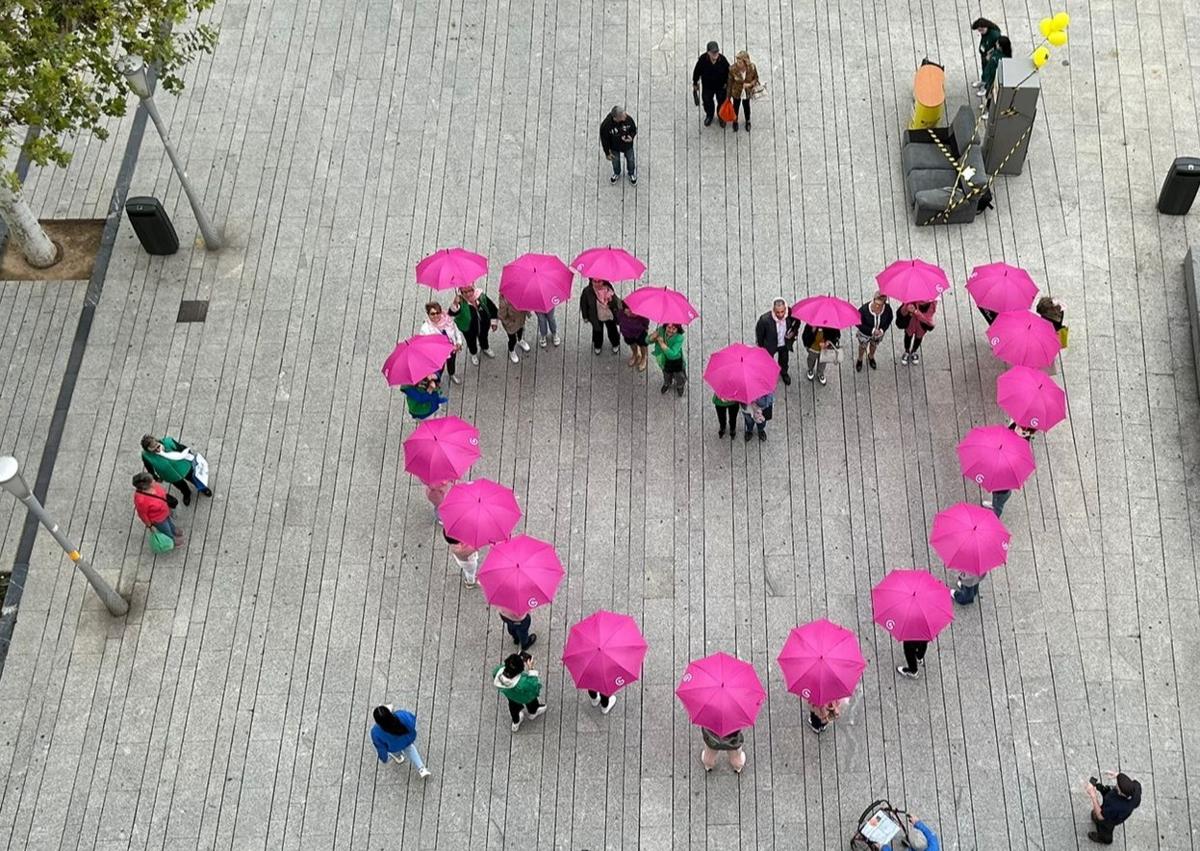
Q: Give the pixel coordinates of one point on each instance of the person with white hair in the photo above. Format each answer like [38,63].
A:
[920,838]
[617,132]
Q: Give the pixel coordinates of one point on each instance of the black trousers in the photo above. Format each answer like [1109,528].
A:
[512,338]
[519,630]
[477,336]
[604,698]
[815,721]
[452,363]
[727,417]
[914,652]
[912,342]
[1104,830]
[712,98]
[598,329]
[782,354]
[745,102]
[514,709]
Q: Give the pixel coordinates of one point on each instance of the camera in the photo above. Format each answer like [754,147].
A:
[1094,781]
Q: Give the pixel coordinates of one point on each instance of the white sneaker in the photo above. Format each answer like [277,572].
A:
[596,351]
[904,358]
[542,342]
[516,725]
[616,350]
[455,379]
[475,360]
[987,503]
[524,346]
[557,340]
[512,356]
[822,378]
[424,772]
[541,710]
[612,701]
[397,758]
[489,353]
[595,699]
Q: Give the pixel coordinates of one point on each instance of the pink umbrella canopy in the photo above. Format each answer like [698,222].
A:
[912,280]
[996,458]
[826,311]
[722,693]
[538,282]
[741,373]
[1031,398]
[821,661]
[417,358]
[451,268]
[609,264]
[970,538]
[1022,338]
[1001,287]
[441,450]
[519,574]
[912,605]
[479,513]
[604,652]
[661,305]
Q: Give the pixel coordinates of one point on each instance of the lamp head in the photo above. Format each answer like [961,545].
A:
[11,479]
[134,69]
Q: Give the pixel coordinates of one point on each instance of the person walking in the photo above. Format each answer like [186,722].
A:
[989,34]
[916,318]
[513,322]
[1002,50]
[604,701]
[1112,805]
[757,414]
[169,461]
[776,331]
[435,492]
[596,307]
[423,398]
[395,737]
[999,499]
[521,686]
[518,625]
[668,352]
[875,317]
[731,744]
[153,506]
[467,559]
[617,132]
[437,321]
[726,416]
[743,85]
[475,314]
[821,344]
[547,328]
[633,328]
[821,715]
[709,78]
[1054,312]
[914,658]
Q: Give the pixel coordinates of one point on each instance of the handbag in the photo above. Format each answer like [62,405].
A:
[160,542]
[831,356]
[1064,334]
[726,113]
[172,502]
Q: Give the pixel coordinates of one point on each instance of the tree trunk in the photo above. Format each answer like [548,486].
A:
[24,229]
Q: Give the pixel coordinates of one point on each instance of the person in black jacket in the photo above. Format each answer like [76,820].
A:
[817,339]
[597,306]
[617,132]
[776,331]
[875,317]
[1112,805]
[710,76]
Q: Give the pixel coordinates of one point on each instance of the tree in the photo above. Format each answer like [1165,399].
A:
[59,74]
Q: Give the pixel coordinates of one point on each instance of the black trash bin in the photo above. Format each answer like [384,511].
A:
[151,224]
[1179,189]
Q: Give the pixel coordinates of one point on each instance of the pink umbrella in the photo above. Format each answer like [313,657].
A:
[1022,338]
[741,373]
[721,693]
[450,268]
[826,311]
[609,264]
[821,661]
[661,305]
[995,458]
[604,652]
[969,538]
[1000,287]
[912,605]
[479,513]
[417,358]
[519,574]
[441,450]
[1031,398]
[537,282]
[912,280]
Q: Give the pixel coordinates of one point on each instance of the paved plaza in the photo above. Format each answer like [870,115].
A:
[339,141]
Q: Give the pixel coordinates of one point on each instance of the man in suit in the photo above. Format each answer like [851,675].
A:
[776,331]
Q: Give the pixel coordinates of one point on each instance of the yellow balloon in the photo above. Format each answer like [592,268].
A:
[1058,38]
[1046,25]
[1041,56]
[1062,20]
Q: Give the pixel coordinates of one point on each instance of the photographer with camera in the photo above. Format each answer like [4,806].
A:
[1111,805]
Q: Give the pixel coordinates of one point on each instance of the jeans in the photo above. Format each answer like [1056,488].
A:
[999,500]
[815,365]
[711,98]
[727,418]
[968,589]
[598,329]
[412,755]
[630,162]
[167,527]
[519,630]
[751,424]
[547,324]
[745,102]
[514,709]
[914,654]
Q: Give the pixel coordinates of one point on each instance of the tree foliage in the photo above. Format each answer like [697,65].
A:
[59,63]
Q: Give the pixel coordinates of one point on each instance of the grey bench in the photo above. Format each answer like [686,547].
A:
[1191,283]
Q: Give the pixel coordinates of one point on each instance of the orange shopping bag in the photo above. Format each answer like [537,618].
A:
[726,113]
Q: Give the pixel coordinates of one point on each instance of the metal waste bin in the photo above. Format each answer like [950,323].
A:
[1179,189]
[152,225]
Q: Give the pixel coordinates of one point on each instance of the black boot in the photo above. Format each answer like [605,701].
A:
[735,127]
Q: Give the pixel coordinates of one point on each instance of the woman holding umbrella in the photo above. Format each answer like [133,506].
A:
[668,351]
[475,314]
[604,653]
[633,330]
[597,305]
[437,322]
[916,318]
[513,321]
[818,341]
[875,318]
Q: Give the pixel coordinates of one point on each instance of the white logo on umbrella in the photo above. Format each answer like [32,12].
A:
[533,603]
[979,478]
[474,441]
[805,693]
[555,300]
[889,624]
[1033,422]
[619,681]
[687,678]
[995,341]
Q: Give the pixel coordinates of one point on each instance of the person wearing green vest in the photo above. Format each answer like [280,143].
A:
[521,686]
[668,351]
[169,461]
[989,34]
[475,314]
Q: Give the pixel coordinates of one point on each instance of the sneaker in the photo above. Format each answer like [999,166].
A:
[488,353]
[455,379]
[749,435]
[532,641]
[987,503]
[612,701]
[916,358]
[541,710]
[787,379]
[735,127]
[516,725]
[706,767]
[595,699]
[822,378]
[187,497]
[815,728]
[616,350]
[614,178]
[905,672]
[424,772]
[747,125]
[542,342]
[858,366]
[762,435]
[474,360]
[557,340]
[398,758]
[904,358]
[871,363]
[678,389]
[596,351]
[524,346]
[664,388]
[470,583]
[512,356]
[708,120]
[633,180]
[721,432]
[810,375]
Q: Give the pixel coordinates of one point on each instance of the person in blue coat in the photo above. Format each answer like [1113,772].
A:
[395,737]
[924,839]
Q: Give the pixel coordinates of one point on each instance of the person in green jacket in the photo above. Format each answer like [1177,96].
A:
[989,34]
[668,351]
[423,398]
[521,685]
[727,412]
[169,461]
[475,314]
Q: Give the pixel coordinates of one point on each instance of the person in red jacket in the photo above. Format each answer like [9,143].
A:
[150,501]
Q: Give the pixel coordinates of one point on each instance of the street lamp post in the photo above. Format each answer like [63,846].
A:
[12,481]
[134,70]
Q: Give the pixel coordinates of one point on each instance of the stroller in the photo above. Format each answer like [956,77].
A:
[881,824]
